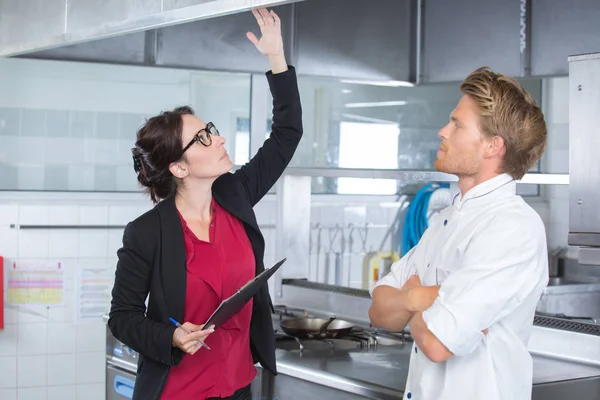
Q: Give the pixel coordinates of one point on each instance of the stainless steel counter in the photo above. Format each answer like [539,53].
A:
[382,373]
[551,369]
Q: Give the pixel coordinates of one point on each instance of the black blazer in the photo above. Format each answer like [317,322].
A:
[153,258]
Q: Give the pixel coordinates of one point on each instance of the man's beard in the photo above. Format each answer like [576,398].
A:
[466,165]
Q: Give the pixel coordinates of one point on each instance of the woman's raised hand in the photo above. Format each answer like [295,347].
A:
[271,42]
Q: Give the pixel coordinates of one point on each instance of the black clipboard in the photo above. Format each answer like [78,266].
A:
[234,304]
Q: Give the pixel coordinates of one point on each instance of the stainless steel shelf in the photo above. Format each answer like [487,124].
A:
[413,175]
[57,227]
[17,226]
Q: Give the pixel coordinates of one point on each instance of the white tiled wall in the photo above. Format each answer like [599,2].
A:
[52,354]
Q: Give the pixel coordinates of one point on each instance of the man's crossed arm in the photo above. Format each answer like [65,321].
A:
[393,309]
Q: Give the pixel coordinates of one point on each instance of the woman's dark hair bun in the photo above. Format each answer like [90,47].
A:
[158,145]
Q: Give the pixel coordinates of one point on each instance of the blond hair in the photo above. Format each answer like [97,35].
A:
[508,111]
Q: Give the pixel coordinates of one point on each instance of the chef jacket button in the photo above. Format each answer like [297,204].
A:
[445,222]
[409,395]
[415,349]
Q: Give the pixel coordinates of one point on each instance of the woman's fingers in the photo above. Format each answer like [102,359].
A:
[266,16]
[276,18]
[200,335]
[258,17]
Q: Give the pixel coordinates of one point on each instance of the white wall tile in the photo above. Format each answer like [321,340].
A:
[312,267]
[91,337]
[357,270]
[81,177]
[93,215]
[33,215]
[32,393]
[64,392]
[90,367]
[315,214]
[269,236]
[32,314]
[11,317]
[355,215]
[33,244]
[66,311]
[31,371]
[63,243]
[9,214]
[63,214]
[9,241]
[94,391]
[115,241]
[377,215]
[8,340]
[331,215]
[146,207]
[93,243]
[8,372]
[8,394]
[62,338]
[62,369]
[32,339]
[122,215]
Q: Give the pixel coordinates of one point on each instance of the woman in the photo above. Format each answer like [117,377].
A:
[201,243]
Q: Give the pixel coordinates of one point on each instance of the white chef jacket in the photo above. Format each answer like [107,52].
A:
[488,252]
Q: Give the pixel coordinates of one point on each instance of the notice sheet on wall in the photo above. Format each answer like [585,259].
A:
[94,293]
[35,282]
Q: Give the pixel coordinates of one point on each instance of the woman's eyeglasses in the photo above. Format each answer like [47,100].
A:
[203,136]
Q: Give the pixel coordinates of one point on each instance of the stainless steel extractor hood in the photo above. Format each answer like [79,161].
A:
[34,25]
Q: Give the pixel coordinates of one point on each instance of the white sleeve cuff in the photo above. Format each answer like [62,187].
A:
[387,280]
[452,331]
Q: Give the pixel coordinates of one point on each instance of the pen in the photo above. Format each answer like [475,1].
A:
[177,324]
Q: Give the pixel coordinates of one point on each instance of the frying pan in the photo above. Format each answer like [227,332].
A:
[316,328]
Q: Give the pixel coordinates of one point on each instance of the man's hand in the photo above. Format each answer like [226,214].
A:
[420,297]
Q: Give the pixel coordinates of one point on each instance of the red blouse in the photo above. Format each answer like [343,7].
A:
[215,270]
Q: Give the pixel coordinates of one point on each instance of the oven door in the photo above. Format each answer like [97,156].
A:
[119,383]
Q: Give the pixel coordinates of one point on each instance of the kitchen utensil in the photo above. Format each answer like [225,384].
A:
[319,229]
[332,237]
[350,253]
[338,269]
[316,328]
[339,258]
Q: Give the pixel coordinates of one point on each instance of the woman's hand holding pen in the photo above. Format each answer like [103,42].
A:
[189,337]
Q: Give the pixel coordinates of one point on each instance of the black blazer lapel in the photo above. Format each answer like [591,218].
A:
[173,258]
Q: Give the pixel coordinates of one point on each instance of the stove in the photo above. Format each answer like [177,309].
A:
[359,339]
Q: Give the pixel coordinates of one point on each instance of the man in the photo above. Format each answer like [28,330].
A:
[470,287]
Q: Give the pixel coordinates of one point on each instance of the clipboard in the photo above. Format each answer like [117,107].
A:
[234,304]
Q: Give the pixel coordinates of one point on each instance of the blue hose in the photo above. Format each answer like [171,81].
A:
[416,222]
